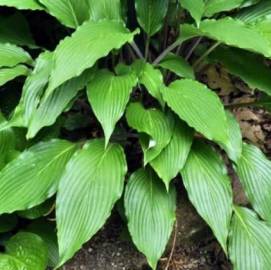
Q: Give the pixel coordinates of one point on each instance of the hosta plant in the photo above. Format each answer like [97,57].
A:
[103,102]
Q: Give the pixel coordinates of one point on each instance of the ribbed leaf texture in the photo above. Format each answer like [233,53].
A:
[254,171]
[150,14]
[209,189]
[173,157]
[108,96]
[24,251]
[22,4]
[155,124]
[201,108]
[8,74]
[150,210]
[72,56]
[92,183]
[249,244]
[33,176]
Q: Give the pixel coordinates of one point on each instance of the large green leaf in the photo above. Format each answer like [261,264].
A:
[249,245]
[11,55]
[150,14]
[24,251]
[178,65]
[209,189]
[8,74]
[108,95]
[195,8]
[233,146]
[92,183]
[150,210]
[21,4]
[33,176]
[86,45]
[256,74]
[14,29]
[254,171]
[151,78]
[155,124]
[172,158]
[199,107]
[235,33]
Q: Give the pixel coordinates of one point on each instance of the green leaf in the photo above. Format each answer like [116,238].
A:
[249,244]
[72,56]
[178,65]
[155,124]
[8,74]
[33,176]
[14,29]
[195,8]
[254,171]
[233,146]
[21,4]
[150,210]
[24,251]
[256,74]
[172,158]
[108,96]
[209,189]
[46,113]
[150,14]
[151,78]
[235,33]
[194,103]
[11,55]
[7,223]
[86,194]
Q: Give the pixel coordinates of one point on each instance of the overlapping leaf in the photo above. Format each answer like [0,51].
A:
[108,95]
[24,251]
[22,4]
[173,157]
[8,74]
[150,210]
[33,176]
[209,189]
[87,192]
[201,108]
[155,124]
[150,14]
[254,171]
[249,244]
[87,44]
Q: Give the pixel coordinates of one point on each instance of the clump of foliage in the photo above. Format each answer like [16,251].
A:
[89,87]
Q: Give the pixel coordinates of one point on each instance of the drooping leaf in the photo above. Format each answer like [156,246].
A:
[172,158]
[151,78]
[249,245]
[108,96]
[235,33]
[254,171]
[201,108]
[195,8]
[233,146]
[22,4]
[33,176]
[11,55]
[209,189]
[86,194]
[7,223]
[150,14]
[178,65]
[150,210]
[14,29]
[8,74]
[24,251]
[72,56]
[155,124]
[256,74]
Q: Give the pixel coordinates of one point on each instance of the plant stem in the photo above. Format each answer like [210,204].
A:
[166,52]
[195,45]
[137,50]
[213,47]
[147,47]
